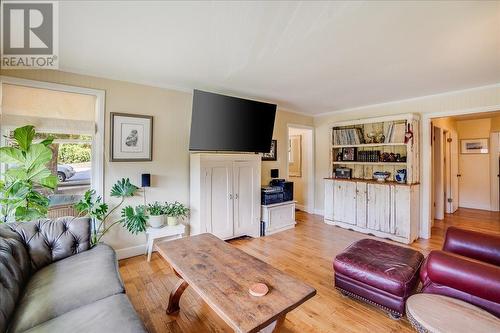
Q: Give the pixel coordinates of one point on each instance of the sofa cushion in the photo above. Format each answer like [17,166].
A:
[51,240]
[111,314]
[385,266]
[15,268]
[66,285]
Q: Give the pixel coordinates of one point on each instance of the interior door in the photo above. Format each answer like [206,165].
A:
[452,200]
[245,200]
[220,199]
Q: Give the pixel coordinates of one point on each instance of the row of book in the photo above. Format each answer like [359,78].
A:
[348,136]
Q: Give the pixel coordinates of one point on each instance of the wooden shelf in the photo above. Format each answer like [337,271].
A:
[370,145]
[370,181]
[369,163]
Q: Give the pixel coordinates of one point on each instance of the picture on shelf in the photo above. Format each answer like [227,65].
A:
[349,154]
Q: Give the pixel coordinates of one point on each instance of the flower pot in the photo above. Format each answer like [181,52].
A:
[156,221]
[172,220]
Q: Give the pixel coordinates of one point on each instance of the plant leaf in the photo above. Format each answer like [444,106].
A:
[49,182]
[11,155]
[37,154]
[135,220]
[48,141]
[123,188]
[27,214]
[24,136]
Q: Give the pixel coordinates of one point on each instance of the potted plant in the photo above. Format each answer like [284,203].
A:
[133,219]
[156,214]
[174,211]
[25,185]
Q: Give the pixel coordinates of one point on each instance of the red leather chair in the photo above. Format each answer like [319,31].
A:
[468,268]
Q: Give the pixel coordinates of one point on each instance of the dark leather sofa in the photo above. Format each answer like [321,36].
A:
[468,268]
[52,281]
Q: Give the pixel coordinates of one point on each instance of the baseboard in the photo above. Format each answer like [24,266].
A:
[319,212]
[300,207]
[132,251]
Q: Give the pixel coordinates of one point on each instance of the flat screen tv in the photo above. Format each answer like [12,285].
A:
[224,123]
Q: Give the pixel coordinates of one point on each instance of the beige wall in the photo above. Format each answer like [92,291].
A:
[172,118]
[474,184]
[283,119]
[463,100]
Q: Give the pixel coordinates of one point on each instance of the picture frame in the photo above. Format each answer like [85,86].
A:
[474,146]
[131,137]
[349,154]
[273,153]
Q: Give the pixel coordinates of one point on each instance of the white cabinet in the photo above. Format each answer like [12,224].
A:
[386,210]
[344,204]
[279,216]
[225,194]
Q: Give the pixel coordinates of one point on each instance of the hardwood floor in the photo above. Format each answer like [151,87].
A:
[305,252]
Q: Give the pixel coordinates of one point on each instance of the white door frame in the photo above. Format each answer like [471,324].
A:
[98,138]
[312,172]
[426,165]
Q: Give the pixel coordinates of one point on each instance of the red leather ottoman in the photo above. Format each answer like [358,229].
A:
[379,273]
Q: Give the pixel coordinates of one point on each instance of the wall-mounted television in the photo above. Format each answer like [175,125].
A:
[224,123]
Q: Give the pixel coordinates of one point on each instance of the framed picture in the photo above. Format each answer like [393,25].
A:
[131,137]
[271,156]
[349,154]
[474,146]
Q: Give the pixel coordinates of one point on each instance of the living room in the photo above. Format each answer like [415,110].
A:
[343,99]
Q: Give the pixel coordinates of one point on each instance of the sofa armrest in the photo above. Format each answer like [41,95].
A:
[51,240]
[475,245]
[461,273]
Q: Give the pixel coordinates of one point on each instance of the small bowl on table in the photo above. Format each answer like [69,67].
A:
[381,176]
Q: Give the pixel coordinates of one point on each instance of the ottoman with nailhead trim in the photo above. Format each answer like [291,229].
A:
[379,273]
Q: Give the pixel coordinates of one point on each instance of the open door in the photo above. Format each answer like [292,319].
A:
[452,200]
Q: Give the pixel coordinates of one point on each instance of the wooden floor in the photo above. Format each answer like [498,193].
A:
[305,252]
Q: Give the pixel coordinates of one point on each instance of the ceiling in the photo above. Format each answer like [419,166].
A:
[310,57]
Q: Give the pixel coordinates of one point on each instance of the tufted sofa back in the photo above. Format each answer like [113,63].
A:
[27,246]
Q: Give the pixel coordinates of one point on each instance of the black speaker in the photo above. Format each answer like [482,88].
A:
[275,173]
[287,191]
[146,180]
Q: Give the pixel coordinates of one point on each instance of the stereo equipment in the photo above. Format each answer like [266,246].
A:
[286,186]
[275,173]
[270,195]
[344,173]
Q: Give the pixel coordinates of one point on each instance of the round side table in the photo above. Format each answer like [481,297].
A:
[441,314]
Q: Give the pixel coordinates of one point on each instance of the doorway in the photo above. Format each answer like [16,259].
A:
[465,163]
[300,165]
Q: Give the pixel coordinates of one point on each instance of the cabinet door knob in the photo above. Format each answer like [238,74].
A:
[236,196]
[230,196]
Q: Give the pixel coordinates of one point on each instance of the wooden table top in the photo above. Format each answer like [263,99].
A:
[440,314]
[221,274]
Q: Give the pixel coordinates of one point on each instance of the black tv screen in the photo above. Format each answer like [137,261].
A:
[224,123]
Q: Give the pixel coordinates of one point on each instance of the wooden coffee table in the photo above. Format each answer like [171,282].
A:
[440,314]
[221,274]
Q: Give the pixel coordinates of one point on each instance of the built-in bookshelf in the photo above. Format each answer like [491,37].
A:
[376,144]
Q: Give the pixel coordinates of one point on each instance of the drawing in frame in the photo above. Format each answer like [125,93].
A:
[474,146]
[272,155]
[131,137]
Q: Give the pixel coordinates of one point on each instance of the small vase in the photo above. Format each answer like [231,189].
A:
[156,221]
[172,220]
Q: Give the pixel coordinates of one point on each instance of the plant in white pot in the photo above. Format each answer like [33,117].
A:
[156,214]
[174,211]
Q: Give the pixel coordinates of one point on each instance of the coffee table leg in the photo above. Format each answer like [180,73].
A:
[275,326]
[175,296]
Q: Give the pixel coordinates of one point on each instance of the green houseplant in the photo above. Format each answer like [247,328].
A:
[174,211]
[133,219]
[27,181]
[156,214]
